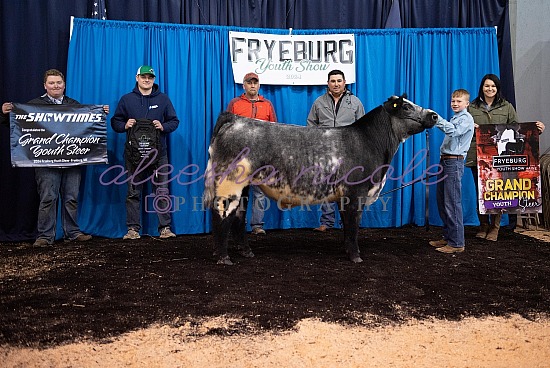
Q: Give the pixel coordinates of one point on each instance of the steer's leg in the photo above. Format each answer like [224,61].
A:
[351,216]
[225,212]
[238,227]
[220,231]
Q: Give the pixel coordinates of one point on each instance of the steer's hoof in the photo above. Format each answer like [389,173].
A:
[246,253]
[225,261]
[356,259]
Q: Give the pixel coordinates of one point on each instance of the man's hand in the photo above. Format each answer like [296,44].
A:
[158,125]
[7,107]
[130,123]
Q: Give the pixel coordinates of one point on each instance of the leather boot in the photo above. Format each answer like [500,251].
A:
[483,226]
[492,235]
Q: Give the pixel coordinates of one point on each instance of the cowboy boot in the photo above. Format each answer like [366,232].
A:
[492,235]
[483,226]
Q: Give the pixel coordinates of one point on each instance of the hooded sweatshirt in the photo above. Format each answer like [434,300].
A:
[156,106]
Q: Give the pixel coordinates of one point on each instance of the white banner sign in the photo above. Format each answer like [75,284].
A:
[292,59]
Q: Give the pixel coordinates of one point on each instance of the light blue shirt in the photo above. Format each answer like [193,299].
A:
[458,133]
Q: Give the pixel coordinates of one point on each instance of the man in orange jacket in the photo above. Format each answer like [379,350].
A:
[252,105]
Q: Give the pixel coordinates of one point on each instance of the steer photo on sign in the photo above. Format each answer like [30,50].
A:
[57,135]
[508,168]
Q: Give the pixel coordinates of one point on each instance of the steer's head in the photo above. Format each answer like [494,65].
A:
[407,118]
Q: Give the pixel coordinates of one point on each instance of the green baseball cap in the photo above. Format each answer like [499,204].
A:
[146,69]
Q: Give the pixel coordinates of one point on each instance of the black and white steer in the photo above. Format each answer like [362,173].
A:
[297,165]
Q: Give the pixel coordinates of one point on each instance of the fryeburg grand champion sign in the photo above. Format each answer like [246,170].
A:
[508,168]
[292,59]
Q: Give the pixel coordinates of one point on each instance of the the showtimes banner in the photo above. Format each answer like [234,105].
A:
[292,59]
[57,135]
[508,168]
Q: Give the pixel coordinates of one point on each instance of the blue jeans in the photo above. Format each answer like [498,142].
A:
[449,201]
[259,206]
[133,198]
[328,214]
[53,183]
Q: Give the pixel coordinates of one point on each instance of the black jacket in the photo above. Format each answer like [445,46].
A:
[42,100]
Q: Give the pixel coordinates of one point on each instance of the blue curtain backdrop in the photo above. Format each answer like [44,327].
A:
[193,68]
[48,38]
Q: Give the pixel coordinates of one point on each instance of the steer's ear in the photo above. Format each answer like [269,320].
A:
[396,103]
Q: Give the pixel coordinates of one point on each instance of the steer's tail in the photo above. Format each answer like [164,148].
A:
[224,118]
[209,183]
[210,174]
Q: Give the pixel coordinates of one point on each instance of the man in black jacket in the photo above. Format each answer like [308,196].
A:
[53,182]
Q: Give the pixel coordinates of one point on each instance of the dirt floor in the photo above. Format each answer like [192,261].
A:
[299,303]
